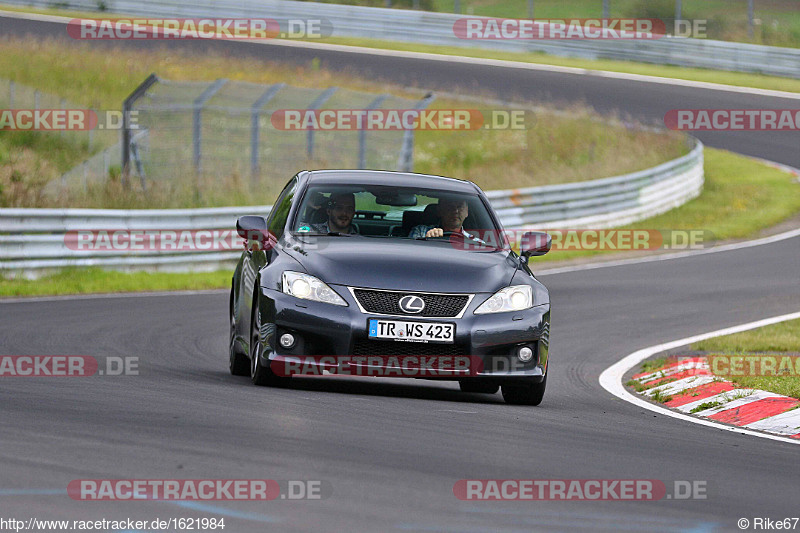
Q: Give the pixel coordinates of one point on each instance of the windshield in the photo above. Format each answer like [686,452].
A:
[396,213]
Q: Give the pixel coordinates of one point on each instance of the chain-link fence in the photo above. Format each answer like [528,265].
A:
[216,130]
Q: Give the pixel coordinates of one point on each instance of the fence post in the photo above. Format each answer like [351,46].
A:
[255,114]
[678,10]
[750,16]
[605,9]
[11,93]
[198,104]
[362,133]
[36,99]
[405,163]
[127,105]
[316,104]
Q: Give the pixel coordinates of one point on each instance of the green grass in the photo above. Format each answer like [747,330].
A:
[783,337]
[660,397]
[666,71]
[652,365]
[740,198]
[96,280]
[554,148]
[28,160]
[704,406]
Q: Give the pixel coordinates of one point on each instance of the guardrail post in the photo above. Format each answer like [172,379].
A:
[127,105]
[198,104]
[91,136]
[316,104]
[63,104]
[362,133]
[255,115]
[405,162]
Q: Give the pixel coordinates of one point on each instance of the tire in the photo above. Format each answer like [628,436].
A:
[239,364]
[474,385]
[260,374]
[525,394]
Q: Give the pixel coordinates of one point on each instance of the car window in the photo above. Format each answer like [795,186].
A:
[386,211]
[280,211]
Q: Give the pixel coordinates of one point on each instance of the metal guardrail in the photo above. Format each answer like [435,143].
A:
[437,28]
[33,240]
[604,202]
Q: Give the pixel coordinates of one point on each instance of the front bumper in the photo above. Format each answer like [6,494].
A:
[335,339]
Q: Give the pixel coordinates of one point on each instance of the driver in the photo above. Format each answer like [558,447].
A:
[341,210]
[452,212]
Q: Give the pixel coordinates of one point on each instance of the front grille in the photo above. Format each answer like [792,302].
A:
[398,348]
[387,303]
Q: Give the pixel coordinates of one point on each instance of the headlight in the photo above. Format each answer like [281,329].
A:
[309,288]
[514,298]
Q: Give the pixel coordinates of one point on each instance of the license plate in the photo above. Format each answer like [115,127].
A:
[400,330]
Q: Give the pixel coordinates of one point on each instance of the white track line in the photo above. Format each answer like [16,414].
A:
[664,257]
[611,378]
[466,60]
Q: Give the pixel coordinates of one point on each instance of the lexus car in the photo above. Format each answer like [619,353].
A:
[389,274]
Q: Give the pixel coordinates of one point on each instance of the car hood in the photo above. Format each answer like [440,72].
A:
[400,264]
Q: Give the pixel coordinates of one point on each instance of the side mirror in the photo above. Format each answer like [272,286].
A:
[253,228]
[535,243]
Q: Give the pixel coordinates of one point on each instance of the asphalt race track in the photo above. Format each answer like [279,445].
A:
[393,449]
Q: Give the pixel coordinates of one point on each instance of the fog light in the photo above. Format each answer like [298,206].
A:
[525,354]
[287,340]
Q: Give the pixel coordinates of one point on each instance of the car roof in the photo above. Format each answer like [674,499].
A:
[386,177]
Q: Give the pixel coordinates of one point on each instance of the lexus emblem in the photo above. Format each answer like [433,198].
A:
[411,304]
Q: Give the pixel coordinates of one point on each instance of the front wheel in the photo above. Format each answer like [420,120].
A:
[531,394]
[260,374]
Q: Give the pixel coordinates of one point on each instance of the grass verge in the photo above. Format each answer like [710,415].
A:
[740,198]
[96,280]
[776,340]
[550,148]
